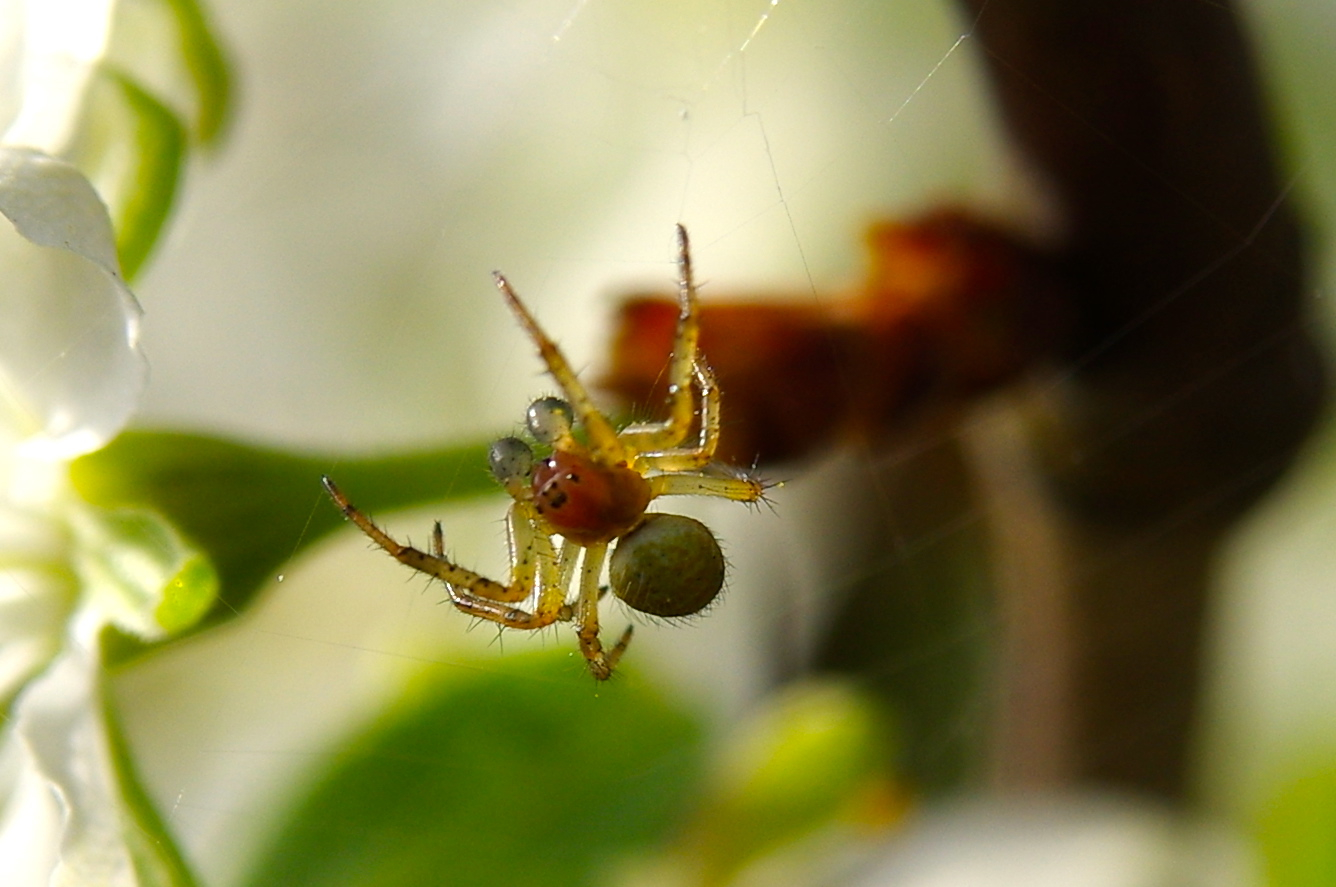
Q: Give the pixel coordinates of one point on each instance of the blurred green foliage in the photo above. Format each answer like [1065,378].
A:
[816,755]
[1296,830]
[522,773]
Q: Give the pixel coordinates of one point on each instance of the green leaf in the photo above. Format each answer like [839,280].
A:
[132,147]
[140,573]
[819,753]
[251,509]
[148,173]
[1297,831]
[153,851]
[524,775]
[163,77]
[168,47]
[208,69]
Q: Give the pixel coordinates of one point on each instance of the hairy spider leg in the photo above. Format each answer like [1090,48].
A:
[602,436]
[601,662]
[657,437]
[534,557]
[470,592]
[702,454]
[738,488]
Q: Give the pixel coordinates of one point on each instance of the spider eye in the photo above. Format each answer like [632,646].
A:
[550,419]
[511,460]
[668,566]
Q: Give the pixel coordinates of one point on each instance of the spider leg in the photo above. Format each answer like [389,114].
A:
[601,662]
[602,436]
[737,487]
[470,592]
[687,458]
[531,552]
[681,405]
[684,364]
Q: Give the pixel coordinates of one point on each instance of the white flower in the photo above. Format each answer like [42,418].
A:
[71,374]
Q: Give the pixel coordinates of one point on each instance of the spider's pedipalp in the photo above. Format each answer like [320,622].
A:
[549,420]
[511,462]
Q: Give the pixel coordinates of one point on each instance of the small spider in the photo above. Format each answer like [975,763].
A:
[593,492]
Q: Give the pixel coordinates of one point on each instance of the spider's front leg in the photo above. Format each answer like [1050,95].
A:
[471,592]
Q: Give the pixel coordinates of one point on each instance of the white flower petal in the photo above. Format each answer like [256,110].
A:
[12,21]
[38,592]
[51,49]
[29,820]
[59,723]
[70,367]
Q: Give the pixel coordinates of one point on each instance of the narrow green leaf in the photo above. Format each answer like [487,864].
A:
[169,49]
[525,774]
[207,66]
[251,509]
[157,860]
[149,176]
[132,147]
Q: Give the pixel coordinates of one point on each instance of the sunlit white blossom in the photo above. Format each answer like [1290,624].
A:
[71,374]
[48,53]
[70,369]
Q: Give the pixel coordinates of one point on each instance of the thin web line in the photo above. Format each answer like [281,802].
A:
[913,94]
[760,23]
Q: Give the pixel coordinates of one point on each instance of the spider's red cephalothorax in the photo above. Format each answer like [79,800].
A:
[594,495]
[586,502]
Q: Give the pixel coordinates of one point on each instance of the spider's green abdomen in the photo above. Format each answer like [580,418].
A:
[668,566]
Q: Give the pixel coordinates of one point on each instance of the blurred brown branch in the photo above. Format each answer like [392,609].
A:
[1192,375]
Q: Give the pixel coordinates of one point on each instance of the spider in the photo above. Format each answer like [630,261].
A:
[593,491]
